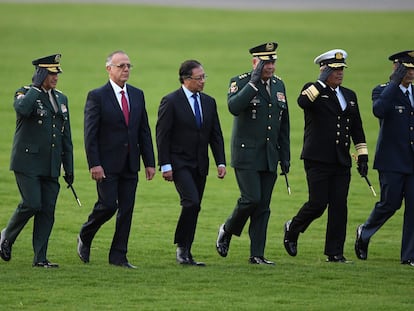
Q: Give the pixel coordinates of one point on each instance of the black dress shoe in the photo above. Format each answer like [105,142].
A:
[83,251]
[361,247]
[45,264]
[338,259]
[408,262]
[260,260]
[223,242]
[124,265]
[291,246]
[5,247]
[184,257]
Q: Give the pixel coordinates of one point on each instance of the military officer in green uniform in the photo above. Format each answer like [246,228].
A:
[42,144]
[260,140]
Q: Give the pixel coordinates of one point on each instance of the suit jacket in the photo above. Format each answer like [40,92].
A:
[42,141]
[179,141]
[328,128]
[395,144]
[260,136]
[109,142]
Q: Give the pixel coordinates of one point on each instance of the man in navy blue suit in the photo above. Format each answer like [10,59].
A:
[394,158]
[187,124]
[117,135]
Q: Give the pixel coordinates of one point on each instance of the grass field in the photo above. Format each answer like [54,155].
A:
[157,41]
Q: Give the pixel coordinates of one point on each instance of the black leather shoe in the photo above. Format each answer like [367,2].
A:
[260,260]
[291,246]
[338,259]
[408,262]
[124,265]
[184,257]
[195,263]
[223,242]
[83,251]
[5,247]
[45,264]
[361,247]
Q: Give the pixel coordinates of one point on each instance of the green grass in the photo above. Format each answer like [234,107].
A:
[158,40]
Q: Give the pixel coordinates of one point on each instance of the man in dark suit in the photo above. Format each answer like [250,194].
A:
[260,141]
[42,144]
[187,124]
[394,157]
[117,134]
[332,119]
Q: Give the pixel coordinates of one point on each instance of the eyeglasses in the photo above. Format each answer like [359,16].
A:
[122,66]
[199,78]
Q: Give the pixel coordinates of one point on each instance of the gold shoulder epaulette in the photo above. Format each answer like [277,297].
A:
[277,77]
[56,90]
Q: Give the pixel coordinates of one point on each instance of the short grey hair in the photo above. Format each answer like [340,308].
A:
[109,58]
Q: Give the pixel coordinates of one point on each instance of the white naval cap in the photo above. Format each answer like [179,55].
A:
[333,58]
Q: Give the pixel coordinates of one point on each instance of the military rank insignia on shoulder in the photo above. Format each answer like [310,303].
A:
[277,77]
[244,75]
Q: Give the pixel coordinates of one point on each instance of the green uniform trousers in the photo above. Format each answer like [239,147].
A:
[39,195]
[256,189]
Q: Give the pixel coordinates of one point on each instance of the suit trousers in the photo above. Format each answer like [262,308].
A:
[39,195]
[116,193]
[328,186]
[256,189]
[395,187]
[190,186]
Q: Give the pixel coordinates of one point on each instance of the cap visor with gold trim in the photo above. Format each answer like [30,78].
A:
[51,63]
[333,58]
[266,52]
[406,58]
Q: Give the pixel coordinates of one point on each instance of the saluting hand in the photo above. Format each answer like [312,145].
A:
[257,73]
[39,76]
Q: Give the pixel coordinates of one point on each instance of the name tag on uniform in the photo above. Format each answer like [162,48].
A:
[399,108]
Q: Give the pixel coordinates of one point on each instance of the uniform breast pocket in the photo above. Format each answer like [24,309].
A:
[30,149]
[244,151]
[254,108]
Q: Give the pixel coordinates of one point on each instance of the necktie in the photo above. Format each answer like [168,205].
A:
[125,109]
[53,101]
[266,84]
[407,93]
[197,110]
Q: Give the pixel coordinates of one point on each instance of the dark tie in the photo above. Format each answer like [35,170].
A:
[197,110]
[125,109]
[266,84]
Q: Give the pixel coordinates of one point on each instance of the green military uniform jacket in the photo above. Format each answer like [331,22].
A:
[42,141]
[260,136]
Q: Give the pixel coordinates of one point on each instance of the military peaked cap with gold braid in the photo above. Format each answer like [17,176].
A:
[333,58]
[51,63]
[406,58]
[265,51]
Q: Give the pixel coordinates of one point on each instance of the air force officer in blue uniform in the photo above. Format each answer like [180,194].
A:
[394,158]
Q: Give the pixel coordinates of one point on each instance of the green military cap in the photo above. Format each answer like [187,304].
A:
[265,51]
[51,63]
[333,58]
[406,58]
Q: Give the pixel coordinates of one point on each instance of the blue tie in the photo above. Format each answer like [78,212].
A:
[197,110]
